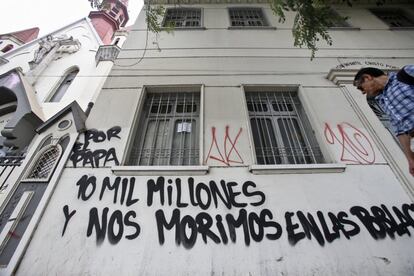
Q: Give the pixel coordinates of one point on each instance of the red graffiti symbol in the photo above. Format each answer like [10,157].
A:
[227,152]
[352,141]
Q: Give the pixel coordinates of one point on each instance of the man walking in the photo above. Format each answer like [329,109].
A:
[394,93]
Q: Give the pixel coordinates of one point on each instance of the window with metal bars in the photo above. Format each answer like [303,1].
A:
[182,18]
[281,131]
[45,163]
[247,17]
[382,116]
[394,18]
[168,132]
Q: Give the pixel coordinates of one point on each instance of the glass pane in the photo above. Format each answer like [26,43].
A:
[265,143]
[257,106]
[294,149]
[187,107]
[282,106]
[64,85]
[158,108]
[154,150]
[45,164]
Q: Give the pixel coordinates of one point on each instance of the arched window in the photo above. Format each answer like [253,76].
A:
[7,48]
[46,161]
[64,85]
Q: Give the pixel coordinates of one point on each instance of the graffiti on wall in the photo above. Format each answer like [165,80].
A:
[83,156]
[176,199]
[228,154]
[356,147]
[364,64]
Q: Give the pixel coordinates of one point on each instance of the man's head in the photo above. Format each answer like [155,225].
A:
[371,81]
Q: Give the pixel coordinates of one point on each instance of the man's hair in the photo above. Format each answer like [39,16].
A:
[372,71]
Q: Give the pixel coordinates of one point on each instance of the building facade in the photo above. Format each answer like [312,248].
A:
[12,40]
[43,80]
[222,149]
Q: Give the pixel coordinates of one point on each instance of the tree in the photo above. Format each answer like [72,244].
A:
[311,23]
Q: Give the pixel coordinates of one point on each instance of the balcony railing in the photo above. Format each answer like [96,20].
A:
[107,53]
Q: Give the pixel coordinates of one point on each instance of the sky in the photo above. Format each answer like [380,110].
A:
[50,15]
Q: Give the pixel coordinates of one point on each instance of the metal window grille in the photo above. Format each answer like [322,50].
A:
[382,116]
[45,163]
[281,131]
[394,18]
[245,17]
[168,133]
[182,18]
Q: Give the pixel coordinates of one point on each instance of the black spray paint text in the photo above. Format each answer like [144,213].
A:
[247,223]
[112,224]
[84,156]
[203,195]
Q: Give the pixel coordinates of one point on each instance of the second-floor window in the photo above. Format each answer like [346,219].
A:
[340,22]
[247,17]
[394,18]
[182,18]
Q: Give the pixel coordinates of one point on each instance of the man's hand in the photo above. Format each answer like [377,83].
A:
[411,166]
[405,141]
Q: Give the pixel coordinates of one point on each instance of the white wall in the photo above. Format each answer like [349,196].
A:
[89,79]
[225,62]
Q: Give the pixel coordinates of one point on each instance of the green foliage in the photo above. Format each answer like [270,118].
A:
[154,15]
[99,4]
[311,22]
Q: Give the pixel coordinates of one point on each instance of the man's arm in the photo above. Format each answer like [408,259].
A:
[405,143]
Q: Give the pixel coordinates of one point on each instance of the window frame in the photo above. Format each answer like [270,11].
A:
[400,12]
[201,27]
[36,158]
[261,9]
[306,129]
[7,48]
[137,122]
[59,83]
[345,22]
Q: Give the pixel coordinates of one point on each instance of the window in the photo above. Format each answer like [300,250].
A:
[247,17]
[114,11]
[64,85]
[182,18]
[340,23]
[281,131]
[394,18]
[7,48]
[120,19]
[168,131]
[45,163]
[382,116]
